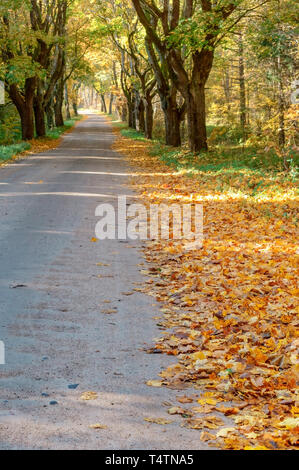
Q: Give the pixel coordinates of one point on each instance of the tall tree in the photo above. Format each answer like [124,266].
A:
[191,31]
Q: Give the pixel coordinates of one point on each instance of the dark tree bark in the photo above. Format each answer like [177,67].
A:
[27,122]
[131,113]
[40,118]
[67,103]
[47,21]
[54,64]
[172,119]
[169,63]
[149,119]
[197,132]
[173,114]
[141,116]
[24,105]
[193,91]
[59,121]
[39,111]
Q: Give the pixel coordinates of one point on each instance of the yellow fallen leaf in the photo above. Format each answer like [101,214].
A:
[225,431]
[198,356]
[175,410]
[98,426]
[251,435]
[158,420]
[205,409]
[211,422]
[154,383]
[89,396]
[288,423]
[207,401]
[207,436]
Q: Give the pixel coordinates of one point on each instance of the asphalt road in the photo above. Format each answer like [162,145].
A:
[51,302]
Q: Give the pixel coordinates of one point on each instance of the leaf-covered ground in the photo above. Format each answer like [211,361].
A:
[230,309]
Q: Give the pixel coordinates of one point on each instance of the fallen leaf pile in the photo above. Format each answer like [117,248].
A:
[230,308]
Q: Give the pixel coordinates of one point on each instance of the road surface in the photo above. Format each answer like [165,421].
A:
[58,341]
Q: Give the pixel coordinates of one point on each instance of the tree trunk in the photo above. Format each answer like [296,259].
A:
[131,115]
[50,114]
[111,103]
[141,116]
[27,123]
[59,121]
[40,118]
[24,105]
[172,118]
[196,114]
[67,103]
[124,113]
[172,127]
[243,119]
[149,118]
[75,108]
[281,106]
[104,107]
[39,110]
[194,93]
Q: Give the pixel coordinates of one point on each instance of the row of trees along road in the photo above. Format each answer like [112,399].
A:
[188,54]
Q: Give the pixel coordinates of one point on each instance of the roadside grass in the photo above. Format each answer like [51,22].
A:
[7,152]
[58,131]
[248,173]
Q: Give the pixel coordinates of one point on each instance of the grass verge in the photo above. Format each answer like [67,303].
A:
[8,152]
[242,172]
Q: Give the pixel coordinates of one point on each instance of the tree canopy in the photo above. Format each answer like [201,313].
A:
[169,67]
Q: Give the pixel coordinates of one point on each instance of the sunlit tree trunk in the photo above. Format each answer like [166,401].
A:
[104,106]
[111,103]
